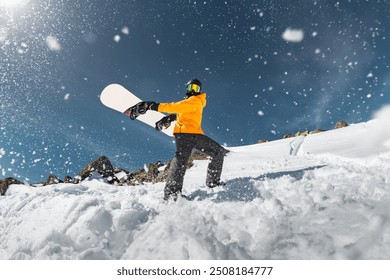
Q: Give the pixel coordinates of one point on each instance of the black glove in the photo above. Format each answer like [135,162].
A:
[140,109]
[165,122]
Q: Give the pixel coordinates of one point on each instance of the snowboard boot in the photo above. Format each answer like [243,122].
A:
[174,197]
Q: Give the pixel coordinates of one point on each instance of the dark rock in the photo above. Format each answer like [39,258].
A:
[152,171]
[288,135]
[136,177]
[118,170]
[341,123]
[262,141]
[302,133]
[52,180]
[163,175]
[317,131]
[101,165]
[149,174]
[68,179]
[5,183]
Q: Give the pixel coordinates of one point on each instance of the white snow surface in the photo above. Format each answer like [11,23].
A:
[324,196]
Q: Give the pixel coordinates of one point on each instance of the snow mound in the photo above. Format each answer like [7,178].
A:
[324,196]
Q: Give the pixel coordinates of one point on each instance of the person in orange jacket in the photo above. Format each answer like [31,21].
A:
[188,135]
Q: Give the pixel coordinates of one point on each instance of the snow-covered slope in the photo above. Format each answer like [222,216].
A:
[326,196]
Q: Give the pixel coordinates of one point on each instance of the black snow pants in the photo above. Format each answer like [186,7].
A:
[185,143]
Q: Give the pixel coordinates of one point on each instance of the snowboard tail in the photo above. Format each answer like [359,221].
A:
[120,99]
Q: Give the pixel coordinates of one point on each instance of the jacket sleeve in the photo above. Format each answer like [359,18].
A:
[184,106]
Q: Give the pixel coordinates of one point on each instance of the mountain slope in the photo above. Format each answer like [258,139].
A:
[324,196]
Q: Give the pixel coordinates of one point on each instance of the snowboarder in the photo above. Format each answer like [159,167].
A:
[188,136]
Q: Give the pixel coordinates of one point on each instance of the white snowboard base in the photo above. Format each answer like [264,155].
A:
[120,99]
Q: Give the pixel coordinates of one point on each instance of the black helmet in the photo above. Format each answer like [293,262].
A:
[194,86]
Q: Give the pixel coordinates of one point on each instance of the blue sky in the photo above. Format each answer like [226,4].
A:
[57,56]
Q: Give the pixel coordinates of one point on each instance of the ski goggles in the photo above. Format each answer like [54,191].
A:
[193,87]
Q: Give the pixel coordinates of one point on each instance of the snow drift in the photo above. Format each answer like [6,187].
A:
[324,196]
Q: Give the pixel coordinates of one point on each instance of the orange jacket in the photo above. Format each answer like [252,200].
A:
[188,113]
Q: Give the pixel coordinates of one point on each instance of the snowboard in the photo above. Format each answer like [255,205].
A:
[120,99]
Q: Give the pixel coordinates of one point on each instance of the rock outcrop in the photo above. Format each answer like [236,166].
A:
[317,131]
[51,180]
[288,135]
[340,124]
[153,172]
[5,183]
[102,166]
[302,133]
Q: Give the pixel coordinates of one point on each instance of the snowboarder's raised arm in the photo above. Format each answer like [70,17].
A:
[185,106]
[193,104]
